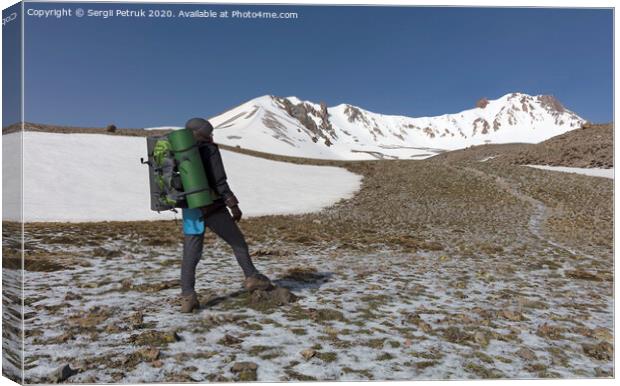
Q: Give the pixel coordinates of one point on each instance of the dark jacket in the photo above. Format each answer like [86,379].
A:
[216,175]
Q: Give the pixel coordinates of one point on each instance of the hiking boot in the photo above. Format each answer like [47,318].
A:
[258,281]
[189,303]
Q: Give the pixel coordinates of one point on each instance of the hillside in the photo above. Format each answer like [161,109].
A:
[590,146]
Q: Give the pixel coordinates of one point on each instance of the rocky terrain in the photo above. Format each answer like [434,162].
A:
[447,268]
[591,146]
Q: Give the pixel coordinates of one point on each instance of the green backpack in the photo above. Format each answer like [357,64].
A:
[177,176]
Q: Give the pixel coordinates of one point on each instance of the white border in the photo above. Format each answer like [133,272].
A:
[470,3]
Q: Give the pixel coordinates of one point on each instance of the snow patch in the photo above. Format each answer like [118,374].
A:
[97,177]
[594,172]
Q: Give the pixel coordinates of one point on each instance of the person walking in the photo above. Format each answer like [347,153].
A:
[217,218]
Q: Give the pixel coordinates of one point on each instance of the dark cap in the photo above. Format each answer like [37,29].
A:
[200,124]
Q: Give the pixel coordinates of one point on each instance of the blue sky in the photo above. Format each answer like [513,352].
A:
[11,67]
[408,61]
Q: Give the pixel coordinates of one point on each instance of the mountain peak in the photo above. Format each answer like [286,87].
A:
[295,127]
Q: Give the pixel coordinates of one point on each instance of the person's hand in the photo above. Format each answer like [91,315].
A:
[236,213]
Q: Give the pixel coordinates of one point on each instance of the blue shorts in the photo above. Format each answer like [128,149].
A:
[193,223]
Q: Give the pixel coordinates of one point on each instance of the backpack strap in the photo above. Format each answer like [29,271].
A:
[184,150]
[183,194]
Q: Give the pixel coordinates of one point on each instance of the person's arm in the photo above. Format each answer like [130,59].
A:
[219,177]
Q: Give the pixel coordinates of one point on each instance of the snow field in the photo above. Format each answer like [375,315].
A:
[97,177]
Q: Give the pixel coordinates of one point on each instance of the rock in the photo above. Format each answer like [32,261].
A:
[91,319]
[269,252]
[72,296]
[582,275]
[150,354]
[603,334]
[308,353]
[62,374]
[136,320]
[602,351]
[526,354]
[549,331]
[103,252]
[246,371]
[229,340]
[147,354]
[512,315]
[282,296]
[481,338]
[329,330]
[155,338]
[425,327]
[303,274]
[156,286]
[278,296]
[455,335]
[91,379]
[550,103]
[325,314]
[112,329]
[422,325]
[62,338]
[126,284]
[242,366]
[117,376]
[482,103]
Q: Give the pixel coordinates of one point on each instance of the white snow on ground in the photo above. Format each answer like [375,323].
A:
[594,172]
[377,295]
[97,177]
[11,176]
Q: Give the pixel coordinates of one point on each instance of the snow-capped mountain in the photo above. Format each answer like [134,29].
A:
[292,127]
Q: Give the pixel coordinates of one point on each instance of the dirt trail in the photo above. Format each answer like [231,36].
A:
[540,212]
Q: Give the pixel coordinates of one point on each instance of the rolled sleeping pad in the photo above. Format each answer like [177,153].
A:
[193,176]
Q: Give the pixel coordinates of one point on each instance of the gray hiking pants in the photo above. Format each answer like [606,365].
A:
[223,225]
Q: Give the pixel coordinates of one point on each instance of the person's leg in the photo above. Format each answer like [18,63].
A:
[192,252]
[222,224]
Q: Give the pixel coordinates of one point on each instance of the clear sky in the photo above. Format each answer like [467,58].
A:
[408,61]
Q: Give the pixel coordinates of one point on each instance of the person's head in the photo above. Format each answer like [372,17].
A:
[201,128]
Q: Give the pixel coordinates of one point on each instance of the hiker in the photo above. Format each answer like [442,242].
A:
[217,218]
